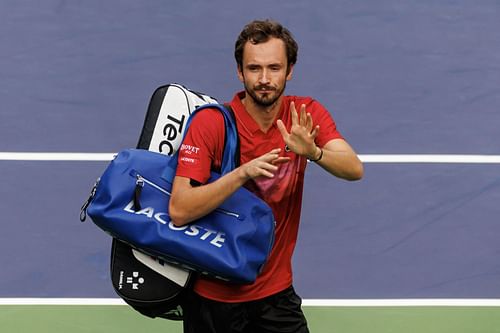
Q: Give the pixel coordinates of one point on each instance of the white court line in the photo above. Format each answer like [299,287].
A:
[25,156]
[366,158]
[429,158]
[62,301]
[400,302]
[306,302]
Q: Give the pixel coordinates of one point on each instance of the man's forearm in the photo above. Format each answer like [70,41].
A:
[340,160]
[189,203]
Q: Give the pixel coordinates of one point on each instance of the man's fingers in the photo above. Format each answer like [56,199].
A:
[309,123]
[275,151]
[271,156]
[303,116]
[281,160]
[295,116]
[267,164]
[315,132]
[265,169]
[282,129]
[267,174]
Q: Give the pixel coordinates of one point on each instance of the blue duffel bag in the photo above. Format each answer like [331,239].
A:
[130,202]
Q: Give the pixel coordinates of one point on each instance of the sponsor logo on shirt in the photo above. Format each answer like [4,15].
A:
[189,150]
[189,154]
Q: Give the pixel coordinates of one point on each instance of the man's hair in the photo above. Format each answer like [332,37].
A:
[258,31]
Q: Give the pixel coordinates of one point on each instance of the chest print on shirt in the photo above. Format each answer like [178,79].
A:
[281,179]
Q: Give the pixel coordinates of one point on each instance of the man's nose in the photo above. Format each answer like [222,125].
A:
[264,77]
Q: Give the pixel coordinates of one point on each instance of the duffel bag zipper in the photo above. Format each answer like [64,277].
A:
[140,181]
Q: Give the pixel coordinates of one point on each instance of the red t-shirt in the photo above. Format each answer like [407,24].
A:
[201,151]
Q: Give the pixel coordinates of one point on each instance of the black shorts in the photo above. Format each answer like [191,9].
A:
[279,313]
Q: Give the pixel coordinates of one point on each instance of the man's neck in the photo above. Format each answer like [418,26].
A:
[263,116]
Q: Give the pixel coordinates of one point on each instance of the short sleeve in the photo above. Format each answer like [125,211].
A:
[327,126]
[201,148]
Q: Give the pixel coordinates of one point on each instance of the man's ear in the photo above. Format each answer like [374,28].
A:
[241,77]
[290,72]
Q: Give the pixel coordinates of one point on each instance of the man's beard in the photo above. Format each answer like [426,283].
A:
[267,100]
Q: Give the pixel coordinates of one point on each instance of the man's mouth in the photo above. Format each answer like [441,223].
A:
[264,89]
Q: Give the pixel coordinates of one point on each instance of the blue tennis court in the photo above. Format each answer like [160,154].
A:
[400,78]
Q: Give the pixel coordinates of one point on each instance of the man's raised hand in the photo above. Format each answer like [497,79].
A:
[302,134]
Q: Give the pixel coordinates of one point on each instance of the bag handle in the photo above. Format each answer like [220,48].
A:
[231,153]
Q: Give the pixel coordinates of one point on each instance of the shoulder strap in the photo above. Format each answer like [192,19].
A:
[231,153]
[237,151]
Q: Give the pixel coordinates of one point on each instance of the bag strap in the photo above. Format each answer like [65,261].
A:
[237,151]
[231,153]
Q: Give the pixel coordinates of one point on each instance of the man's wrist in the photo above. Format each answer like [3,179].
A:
[319,155]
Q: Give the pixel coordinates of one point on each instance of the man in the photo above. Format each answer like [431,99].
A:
[278,134]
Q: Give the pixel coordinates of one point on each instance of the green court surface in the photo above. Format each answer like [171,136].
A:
[121,319]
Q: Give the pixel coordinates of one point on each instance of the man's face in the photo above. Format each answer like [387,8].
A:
[264,71]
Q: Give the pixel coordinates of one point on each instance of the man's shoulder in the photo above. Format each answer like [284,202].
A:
[207,121]
[208,114]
